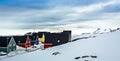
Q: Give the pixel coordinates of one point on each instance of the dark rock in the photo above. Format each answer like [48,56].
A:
[85,56]
[77,58]
[94,56]
[118,28]
[55,53]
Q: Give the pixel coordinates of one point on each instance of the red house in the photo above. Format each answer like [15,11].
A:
[23,41]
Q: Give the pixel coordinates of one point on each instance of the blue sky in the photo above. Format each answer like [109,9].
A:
[29,14]
[46,3]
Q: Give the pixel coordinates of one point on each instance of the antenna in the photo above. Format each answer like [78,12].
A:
[34,27]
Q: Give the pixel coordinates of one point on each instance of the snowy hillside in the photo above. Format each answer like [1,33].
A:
[104,46]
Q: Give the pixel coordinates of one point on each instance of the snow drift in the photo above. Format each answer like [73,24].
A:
[104,46]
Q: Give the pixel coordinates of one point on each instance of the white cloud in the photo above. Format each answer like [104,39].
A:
[71,17]
[93,7]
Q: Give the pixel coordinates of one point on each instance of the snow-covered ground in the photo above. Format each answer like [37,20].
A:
[105,46]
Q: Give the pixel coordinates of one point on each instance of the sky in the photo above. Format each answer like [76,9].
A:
[19,16]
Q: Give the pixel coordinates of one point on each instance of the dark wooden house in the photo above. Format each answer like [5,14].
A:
[7,44]
[58,38]
[54,39]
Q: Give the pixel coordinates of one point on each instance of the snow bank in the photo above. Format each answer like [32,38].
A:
[105,47]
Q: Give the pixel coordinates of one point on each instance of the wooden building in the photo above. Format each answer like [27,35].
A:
[58,38]
[54,39]
[7,44]
[34,38]
[41,36]
[23,41]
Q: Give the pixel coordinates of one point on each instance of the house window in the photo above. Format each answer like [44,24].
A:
[10,45]
[18,41]
[58,41]
[13,44]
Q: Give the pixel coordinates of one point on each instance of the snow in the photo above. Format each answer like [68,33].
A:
[105,46]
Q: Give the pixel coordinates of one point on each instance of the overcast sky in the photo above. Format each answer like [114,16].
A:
[44,14]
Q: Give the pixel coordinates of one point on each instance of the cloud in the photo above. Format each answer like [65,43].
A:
[54,14]
[112,8]
[59,17]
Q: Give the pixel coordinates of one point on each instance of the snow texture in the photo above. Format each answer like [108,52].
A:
[105,46]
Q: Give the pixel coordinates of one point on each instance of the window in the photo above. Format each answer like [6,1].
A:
[58,41]
[10,45]
[13,44]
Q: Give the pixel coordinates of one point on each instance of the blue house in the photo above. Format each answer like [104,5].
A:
[34,40]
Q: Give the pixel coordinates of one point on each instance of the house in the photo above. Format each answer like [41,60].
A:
[34,40]
[58,38]
[41,36]
[54,39]
[33,37]
[67,35]
[7,44]
[23,41]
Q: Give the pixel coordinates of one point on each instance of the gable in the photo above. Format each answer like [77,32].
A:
[42,39]
[28,40]
[12,42]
